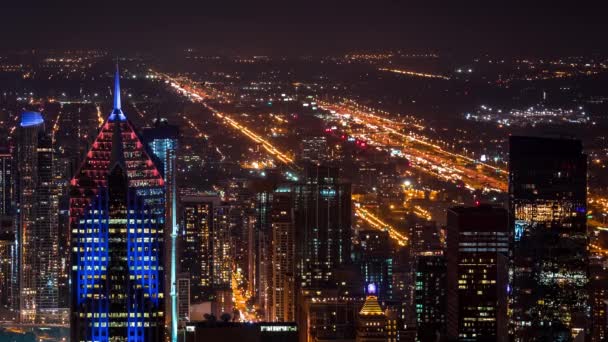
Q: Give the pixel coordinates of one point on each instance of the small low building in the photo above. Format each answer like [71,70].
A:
[219,331]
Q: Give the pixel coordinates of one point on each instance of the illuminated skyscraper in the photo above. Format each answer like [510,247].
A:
[282,308]
[547,194]
[161,139]
[477,266]
[8,269]
[430,295]
[371,323]
[6,181]
[323,225]
[377,262]
[222,248]
[38,235]
[162,142]
[196,257]
[117,217]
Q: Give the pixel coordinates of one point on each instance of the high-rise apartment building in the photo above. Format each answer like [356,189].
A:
[7,179]
[196,257]
[283,296]
[477,266]
[38,225]
[550,264]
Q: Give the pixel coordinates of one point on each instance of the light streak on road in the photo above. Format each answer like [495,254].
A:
[240,297]
[424,155]
[414,73]
[379,224]
[599,250]
[199,96]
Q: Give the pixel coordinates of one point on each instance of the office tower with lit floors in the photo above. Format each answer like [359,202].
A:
[162,143]
[550,265]
[430,295]
[377,262]
[323,225]
[283,243]
[7,188]
[477,273]
[196,257]
[372,320]
[37,221]
[117,215]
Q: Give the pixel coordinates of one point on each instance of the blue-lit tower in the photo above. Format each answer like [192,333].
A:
[117,219]
[162,141]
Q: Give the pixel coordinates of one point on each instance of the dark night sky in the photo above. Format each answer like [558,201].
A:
[309,27]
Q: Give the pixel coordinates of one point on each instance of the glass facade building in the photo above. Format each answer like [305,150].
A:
[117,218]
[547,199]
[477,273]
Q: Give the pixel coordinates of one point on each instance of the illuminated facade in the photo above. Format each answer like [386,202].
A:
[6,182]
[323,225]
[430,295]
[196,256]
[547,194]
[222,248]
[117,218]
[38,226]
[162,143]
[371,323]
[477,273]
[377,262]
[282,308]
[8,253]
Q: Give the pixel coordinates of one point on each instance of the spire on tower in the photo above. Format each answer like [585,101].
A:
[117,110]
[117,89]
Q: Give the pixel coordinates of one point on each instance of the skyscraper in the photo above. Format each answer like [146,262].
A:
[6,181]
[117,217]
[196,257]
[430,295]
[8,271]
[162,142]
[283,242]
[323,225]
[371,323]
[377,262]
[547,200]
[477,264]
[38,235]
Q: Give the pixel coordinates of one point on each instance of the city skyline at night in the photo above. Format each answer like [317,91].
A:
[306,172]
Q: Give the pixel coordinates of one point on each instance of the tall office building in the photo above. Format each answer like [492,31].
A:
[430,295]
[183,297]
[222,248]
[161,139]
[547,200]
[7,200]
[377,262]
[599,300]
[261,246]
[117,218]
[477,263]
[323,225]
[38,235]
[371,321]
[283,296]
[196,257]
[162,143]
[8,272]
